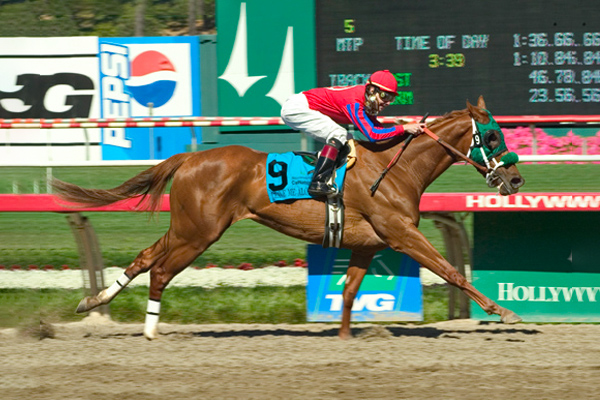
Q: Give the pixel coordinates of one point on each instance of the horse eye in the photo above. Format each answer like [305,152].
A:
[491,139]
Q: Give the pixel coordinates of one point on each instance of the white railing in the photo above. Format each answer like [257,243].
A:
[530,120]
[133,163]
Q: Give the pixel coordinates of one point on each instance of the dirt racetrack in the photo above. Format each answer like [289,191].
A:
[460,359]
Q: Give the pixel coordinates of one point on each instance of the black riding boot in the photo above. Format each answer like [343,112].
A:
[324,169]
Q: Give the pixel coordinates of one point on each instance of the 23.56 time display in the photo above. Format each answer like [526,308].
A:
[564,95]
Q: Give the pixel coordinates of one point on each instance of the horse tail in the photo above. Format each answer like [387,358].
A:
[151,182]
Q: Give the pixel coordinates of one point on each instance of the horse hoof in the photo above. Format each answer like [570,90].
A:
[345,335]
[85,304]
[511,318]
[151,334]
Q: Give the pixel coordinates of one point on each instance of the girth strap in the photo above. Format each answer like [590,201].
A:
[334,223]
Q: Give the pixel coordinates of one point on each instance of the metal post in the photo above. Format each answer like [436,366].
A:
[457,244]
[48,179]
[90,257]
[151,131]
[87,144]
[533,139]
[194,140]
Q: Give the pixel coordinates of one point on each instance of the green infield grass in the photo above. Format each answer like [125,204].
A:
[259,305]
[46,239]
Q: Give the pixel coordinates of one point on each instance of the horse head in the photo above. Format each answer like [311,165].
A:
[489,149]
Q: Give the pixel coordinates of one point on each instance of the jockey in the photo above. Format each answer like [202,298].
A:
[320,111]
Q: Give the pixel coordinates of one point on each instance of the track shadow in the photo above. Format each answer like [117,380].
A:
[396,331]
[251,333]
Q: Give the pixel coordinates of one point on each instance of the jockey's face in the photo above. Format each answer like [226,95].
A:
[377,99]
[384,99]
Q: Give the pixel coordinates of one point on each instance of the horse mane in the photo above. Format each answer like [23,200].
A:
[447,116]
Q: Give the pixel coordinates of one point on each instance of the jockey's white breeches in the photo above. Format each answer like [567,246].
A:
[297,115]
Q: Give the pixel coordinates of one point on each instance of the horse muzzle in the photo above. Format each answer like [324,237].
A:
[506,182]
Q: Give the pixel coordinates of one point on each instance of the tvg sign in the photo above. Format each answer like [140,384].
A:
[390,291]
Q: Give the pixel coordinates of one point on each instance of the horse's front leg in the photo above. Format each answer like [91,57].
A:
[414,244]
[357,268]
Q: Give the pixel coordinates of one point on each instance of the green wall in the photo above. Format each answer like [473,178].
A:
[265,53]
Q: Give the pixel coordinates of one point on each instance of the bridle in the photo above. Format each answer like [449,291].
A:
[456,152]
[491,174]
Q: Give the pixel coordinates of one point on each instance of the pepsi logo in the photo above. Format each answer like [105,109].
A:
[153,78]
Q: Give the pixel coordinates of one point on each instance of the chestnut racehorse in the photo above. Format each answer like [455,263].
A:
[213,189]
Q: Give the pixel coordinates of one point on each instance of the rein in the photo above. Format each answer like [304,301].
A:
[489,171]
[394,160]
[455,151]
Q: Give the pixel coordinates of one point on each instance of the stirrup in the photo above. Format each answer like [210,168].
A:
[321,189]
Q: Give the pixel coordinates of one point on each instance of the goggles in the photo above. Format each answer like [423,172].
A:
[386,96]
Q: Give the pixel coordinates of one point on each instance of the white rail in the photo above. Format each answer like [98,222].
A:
[133,163]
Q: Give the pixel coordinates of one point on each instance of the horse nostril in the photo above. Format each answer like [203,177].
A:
[517,182]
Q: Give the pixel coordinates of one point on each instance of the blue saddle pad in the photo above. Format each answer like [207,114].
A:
[288,176]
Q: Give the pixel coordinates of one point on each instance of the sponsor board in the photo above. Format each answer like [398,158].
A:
[541,296]
[533,201]
[148,77]
[516,202]
[391,290]
[75,77]
[544,265]
[49,78]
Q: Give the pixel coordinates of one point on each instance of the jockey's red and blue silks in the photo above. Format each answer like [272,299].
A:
[345,105]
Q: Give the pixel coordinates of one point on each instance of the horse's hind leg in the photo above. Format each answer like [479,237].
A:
[142,263]
[177,255]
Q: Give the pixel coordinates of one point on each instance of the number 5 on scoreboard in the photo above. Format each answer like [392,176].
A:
[349,26]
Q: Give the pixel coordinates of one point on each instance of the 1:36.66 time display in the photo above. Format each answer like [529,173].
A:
[450,60]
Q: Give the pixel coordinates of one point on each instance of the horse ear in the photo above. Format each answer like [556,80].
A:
[477,112]
[481,102]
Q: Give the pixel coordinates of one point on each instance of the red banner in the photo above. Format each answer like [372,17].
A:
[430,202]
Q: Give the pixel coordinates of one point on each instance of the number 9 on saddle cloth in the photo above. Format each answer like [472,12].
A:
[289,175]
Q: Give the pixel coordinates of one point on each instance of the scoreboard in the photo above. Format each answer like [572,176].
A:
[539,57]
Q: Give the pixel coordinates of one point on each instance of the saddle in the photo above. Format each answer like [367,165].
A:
[288,179]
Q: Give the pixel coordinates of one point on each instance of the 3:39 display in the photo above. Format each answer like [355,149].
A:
[450,60]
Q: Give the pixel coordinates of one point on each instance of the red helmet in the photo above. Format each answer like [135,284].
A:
[385,81]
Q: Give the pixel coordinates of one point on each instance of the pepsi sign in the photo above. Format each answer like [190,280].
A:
[148,77]
[153,78]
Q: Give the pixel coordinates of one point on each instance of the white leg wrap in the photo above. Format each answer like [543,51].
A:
[109,293]
[152,314]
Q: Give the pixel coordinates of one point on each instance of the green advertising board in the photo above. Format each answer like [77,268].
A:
[545,266]
[265,53]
